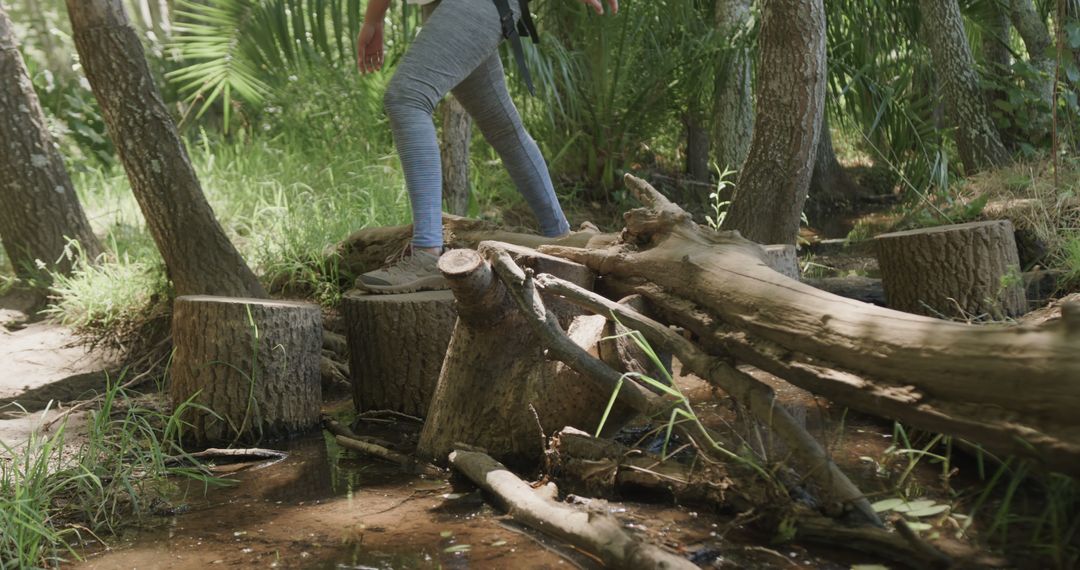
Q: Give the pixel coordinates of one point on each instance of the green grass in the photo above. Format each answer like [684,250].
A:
[59,489]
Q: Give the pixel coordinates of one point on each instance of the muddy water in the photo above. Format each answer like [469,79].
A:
[325,508]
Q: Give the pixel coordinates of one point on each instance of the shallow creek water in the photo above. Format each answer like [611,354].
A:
[325,508]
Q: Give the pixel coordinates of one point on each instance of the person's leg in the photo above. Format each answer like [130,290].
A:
[483,94]
[457,37]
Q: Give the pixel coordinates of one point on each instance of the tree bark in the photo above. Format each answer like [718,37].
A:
[1013,389]
[995,48]
[945,270]
[198,255]
[977,138]
[598,534]
[454,147]
[830,185]
[774,180]
[697,146]
[733,109]
[1038,43]
[497,390]
[253,363]
[41,211]
[397,344]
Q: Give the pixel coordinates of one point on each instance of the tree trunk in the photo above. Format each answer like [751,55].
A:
[697,146]
[198,255]
[1013,389]
[397,344]
[497,390]
[946,270]
[41,211]
[774,180]
[456,134]
[733,110]
[1037,41]
[253,363]
[995,48]
[830,184]
[977,138]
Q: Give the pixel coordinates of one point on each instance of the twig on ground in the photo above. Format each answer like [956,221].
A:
[407,463]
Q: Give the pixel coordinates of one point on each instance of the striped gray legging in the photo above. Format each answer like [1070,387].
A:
[457,51]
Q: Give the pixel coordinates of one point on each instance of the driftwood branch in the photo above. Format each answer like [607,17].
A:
[407,463]
[598,534]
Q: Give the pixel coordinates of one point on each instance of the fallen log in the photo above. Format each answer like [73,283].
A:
[599,534]
[369,248]
[1023,383]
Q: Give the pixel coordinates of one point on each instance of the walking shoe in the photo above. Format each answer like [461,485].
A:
[416,272]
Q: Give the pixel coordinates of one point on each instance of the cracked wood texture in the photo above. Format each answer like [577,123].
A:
[1014,389]
[497,389]
[40,210]
[774,180]
[396,345]
[945,270]
[254,363]
[198,255]
[977,138]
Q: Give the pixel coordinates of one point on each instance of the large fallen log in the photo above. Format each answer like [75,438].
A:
[1012,389]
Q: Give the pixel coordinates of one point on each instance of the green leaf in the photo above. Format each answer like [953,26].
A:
[457,548]
[886,505]
[928,511]
[913,506]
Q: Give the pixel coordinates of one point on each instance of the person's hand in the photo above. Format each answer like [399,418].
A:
[369,50]
[596,5]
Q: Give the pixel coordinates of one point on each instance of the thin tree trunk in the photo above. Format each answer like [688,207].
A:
[995,48]
[977,138]
[456,134]
[697,145]
[199,257]
[733,109]
[830,184]
[40,211]
[772,186]
[1037,41]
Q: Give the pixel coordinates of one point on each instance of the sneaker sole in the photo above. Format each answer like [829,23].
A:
[434,283]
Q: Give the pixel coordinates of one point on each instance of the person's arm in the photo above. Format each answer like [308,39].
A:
[596,5]
[369,46]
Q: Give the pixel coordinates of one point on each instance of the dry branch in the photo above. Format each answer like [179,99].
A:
[598,534]
[407,463]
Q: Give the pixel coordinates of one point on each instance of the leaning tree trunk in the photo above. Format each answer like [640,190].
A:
[454,147]
[1039,45]
[971,268]
[977,138]
[41,211]
[733,109]
[198,255]
[830,184]
[772,186]
[263,383]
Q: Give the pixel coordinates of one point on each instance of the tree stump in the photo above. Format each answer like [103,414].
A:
[962,268]
[253,362]
[396,348]
[497,390]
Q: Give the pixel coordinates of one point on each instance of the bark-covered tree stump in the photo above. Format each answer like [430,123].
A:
[497,390]
[253,362]
[396,345]
[965,268]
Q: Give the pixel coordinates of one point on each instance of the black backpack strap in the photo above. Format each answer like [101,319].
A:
[510,32]
[526,26]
